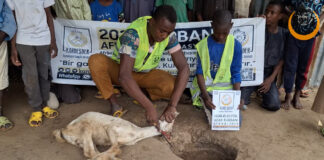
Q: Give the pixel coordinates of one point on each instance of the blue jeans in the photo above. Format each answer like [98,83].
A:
[271,99]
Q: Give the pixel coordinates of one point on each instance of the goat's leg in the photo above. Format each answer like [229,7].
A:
[89,148]
[110,154]
[114,150]
[111,134]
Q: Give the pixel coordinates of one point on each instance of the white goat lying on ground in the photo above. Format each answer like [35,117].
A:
[93,128]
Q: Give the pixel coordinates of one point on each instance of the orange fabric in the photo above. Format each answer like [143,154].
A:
[104,71]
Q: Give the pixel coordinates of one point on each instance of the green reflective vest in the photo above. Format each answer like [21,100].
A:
[222,79]
[140,25]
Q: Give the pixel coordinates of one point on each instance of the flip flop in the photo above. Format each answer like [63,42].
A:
[304,93]
[135,102]
[120,112]
[117,92]
[35,117]
[5,123]
[50,113]
[98,95]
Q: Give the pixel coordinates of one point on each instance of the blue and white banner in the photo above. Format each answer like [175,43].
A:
[78,40]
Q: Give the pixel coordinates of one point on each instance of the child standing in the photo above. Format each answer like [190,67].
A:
[35,43]
[274,51]
[219,61]
[107,10]
[298,50]
[7,31]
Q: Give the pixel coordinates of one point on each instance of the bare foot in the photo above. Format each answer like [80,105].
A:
[296,100]
[287,103]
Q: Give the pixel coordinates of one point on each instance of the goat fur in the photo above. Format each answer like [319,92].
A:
[93,128]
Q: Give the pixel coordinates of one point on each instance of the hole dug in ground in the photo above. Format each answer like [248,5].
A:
[208,151]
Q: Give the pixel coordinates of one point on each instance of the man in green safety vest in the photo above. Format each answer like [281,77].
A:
[219,61]
[133,63]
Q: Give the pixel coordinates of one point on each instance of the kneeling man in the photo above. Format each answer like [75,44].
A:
[133,64]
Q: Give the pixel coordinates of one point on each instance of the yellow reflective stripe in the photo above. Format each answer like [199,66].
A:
[225,84]
[140,25]
[223,73]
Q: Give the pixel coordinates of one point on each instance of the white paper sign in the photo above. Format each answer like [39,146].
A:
[226,116]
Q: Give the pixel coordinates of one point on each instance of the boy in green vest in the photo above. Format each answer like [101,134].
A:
[133,64]
[219,61]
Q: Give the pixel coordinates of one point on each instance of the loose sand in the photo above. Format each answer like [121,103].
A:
[287,135]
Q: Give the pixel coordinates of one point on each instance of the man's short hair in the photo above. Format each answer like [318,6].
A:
[222,17]
[167,12]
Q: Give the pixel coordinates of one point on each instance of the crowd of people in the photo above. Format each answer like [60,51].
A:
[28,26]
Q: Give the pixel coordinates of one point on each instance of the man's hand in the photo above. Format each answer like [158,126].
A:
[169,114]
[208,102]
[261,16]
[151,116]
[265,86]
[53,49]
[14,57]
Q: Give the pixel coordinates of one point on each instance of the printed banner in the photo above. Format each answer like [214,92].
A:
[77,40]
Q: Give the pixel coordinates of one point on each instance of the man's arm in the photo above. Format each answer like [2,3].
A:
[53,47]
[14,53]
[265,86]
[204,94]
[237,86]
[131,87]
[236,68]
[181,64]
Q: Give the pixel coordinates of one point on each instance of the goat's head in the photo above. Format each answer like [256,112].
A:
[166,128]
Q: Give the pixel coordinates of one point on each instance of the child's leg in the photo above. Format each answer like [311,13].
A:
[43,59]
[304,63]
[271,99]
[246,93]
[291,61]
[301,74]
[27,55]
[4,80]
[5,123]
